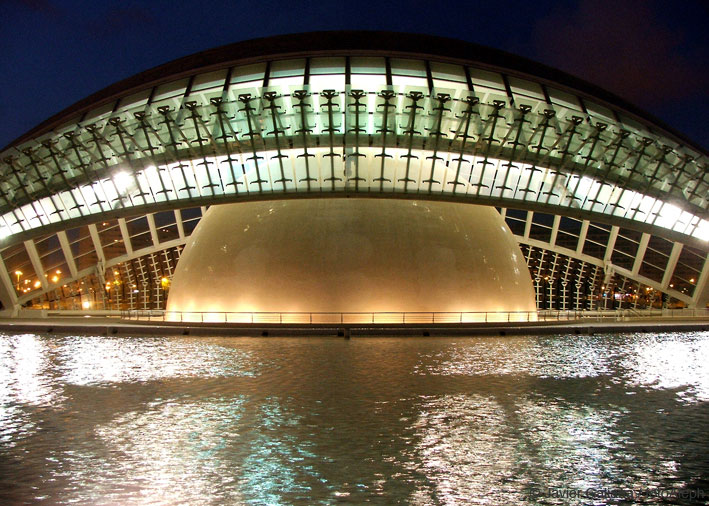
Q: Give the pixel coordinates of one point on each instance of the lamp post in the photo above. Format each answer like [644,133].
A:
[18,274]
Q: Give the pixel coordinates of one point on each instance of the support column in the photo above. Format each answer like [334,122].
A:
[611,244]
[125,235]
[178,222]
[640,255]
[700,297]
[528,224]
[36,263]
[68,255]
[555,230]
[96,240]
[8,296]
[101,263]
[582,236]
[153,230]
[671,264]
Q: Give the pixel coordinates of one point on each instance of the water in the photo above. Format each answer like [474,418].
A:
[513,420]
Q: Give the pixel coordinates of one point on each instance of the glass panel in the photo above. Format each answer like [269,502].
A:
[286,81]
[98,113]
[135,101]
[526,88]
[139,233]
[448,72]
[563,99]
[367,65]
[209,80]
[166,227]
[413,68]
[420,82]
[111,239]
[287,68]
[170,90]
[367,81]
[21,271]
[327,82]
[254,72]
[441,85]
[487,79]
[327,66]
[190,218]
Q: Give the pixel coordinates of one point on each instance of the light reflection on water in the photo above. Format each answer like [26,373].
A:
[110,420]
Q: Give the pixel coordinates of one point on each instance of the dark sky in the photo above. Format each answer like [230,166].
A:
[654,54]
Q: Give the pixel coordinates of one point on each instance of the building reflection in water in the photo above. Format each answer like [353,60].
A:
[276,421]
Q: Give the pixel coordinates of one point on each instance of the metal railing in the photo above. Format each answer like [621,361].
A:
[347,318]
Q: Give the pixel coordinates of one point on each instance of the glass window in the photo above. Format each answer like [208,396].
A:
[526,88]
[448,72]
[170,90]
[564,99]
[286,81]
[139,232]
[287,68]
[412,68]
[487,79]
[599,112]
[135,101]
[327,82]
[209,80]
[367,65]
[367,81]
[319,66]
[442,85]
[98,113]
[248,73]
[409,81]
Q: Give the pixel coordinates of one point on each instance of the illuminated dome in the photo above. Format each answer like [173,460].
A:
[351,255]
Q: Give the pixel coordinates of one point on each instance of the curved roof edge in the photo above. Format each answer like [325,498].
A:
[323,42]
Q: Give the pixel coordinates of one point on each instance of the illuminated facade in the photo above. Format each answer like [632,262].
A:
[608,206]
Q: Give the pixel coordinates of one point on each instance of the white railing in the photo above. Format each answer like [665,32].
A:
[346,318]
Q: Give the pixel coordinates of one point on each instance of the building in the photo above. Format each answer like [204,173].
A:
[608,205]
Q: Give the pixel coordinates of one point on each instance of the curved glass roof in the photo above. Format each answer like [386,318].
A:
[354,120]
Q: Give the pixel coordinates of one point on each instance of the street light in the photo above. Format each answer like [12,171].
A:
[18,274]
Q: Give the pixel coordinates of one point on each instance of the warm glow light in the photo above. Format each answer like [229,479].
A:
[86,304]
[55,279]
[37,284]
[382,256]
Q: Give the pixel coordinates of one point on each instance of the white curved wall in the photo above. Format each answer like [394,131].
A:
[350,255]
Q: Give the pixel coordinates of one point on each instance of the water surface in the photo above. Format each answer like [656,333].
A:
[181,420]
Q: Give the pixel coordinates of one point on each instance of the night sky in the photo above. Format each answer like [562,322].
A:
[654,54]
